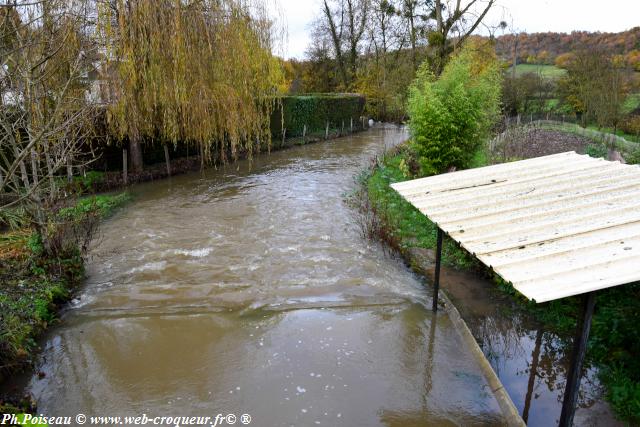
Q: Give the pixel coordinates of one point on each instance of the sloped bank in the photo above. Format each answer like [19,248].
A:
[35,285]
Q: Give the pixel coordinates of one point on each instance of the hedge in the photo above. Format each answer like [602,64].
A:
[314,111]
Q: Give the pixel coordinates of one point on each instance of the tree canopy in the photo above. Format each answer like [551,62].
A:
[197,72]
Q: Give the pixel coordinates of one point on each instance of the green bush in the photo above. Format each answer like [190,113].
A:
[315,110]
[450,116]
[597,151]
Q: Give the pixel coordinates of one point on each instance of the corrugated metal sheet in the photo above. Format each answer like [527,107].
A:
[553,226]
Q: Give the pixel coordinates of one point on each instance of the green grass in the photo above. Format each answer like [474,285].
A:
[631,103]
[104,204]
[548,71]
[401,222]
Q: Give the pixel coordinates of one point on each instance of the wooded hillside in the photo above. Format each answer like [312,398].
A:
[544,48]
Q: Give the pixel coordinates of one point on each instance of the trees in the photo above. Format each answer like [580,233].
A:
[454,22]
[198,72]
[524,93]
[320,73]
[450,115]
[44,117]
[345,21]
[376,45]
[594,88]
[550,47]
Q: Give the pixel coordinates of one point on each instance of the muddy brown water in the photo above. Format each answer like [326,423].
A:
[250,290]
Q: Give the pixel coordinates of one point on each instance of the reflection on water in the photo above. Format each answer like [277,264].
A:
[248,289]
[530,362]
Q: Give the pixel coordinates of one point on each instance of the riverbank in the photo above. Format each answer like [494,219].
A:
[33,286]
[100,182]
[614,345]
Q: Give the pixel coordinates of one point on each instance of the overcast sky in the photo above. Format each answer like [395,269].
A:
[525,15]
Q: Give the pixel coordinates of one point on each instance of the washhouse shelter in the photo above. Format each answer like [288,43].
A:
[553,226]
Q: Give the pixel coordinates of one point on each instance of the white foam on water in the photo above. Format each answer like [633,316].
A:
[196,253]
[150,266]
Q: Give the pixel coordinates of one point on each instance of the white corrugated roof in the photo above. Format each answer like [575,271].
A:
[553,226]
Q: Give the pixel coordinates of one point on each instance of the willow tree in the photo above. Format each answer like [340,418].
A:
[190,72]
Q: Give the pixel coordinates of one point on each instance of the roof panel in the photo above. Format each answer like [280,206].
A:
[553,226]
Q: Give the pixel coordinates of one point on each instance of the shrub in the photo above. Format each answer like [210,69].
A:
[452,115]
[315,111]
[597,151]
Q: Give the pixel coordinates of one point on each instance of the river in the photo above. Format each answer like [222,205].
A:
[248,289]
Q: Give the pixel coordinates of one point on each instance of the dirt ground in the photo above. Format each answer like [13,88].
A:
[528,143]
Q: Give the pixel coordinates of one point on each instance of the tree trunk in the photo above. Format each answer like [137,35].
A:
[50,172]
[135,153]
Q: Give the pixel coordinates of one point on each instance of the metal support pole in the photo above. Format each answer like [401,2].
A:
[577,358]
[436,275]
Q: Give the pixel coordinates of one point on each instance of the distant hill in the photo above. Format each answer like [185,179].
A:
[544,48]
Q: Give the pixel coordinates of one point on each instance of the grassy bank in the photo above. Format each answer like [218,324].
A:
[614,345]
[396,221]
[33,285]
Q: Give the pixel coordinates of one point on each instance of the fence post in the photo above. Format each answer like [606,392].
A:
[342,131]
[351,118]
[326,131]
[125,177]
[166,159]
[284,133]
[304,132]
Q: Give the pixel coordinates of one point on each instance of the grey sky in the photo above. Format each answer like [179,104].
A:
[525,15]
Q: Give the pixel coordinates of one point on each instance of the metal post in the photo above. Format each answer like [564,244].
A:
[577,358]
[436,275]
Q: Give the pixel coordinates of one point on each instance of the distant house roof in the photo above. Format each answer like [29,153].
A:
[553,226]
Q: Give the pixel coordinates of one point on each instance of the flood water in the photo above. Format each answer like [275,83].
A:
[530,360]
[250,290]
